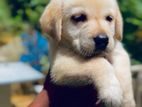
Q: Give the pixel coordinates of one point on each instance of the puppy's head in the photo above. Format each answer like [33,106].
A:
[89,27]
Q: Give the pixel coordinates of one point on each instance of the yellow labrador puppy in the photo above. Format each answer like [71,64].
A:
[85,48]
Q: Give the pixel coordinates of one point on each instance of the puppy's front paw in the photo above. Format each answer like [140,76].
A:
[111,96]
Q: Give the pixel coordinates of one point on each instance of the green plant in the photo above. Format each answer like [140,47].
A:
[132,14]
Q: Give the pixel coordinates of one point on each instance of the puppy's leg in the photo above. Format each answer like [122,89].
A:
[107,84]
[121,64]
[70,70]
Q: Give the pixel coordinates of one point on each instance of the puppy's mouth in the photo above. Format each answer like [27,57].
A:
[87,53]
[91,54]
[91,49]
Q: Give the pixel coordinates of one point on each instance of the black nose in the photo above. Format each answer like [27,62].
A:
[101,42]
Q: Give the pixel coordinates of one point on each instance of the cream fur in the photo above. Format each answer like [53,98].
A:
[110,71]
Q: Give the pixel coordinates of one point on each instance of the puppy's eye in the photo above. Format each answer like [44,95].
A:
[109,18]
[79,18]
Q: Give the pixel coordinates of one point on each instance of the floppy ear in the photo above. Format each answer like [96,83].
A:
[51,19]
[118,25]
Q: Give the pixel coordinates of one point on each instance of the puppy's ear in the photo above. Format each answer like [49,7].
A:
[118,25]
[51,19]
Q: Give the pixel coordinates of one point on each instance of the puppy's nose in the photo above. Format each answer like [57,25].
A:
[101,42]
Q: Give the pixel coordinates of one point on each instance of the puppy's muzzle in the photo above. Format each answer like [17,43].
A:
[101,42]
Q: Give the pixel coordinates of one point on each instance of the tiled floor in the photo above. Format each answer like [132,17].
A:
[22,100]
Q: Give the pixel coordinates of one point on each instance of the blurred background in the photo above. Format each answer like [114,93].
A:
[24,48]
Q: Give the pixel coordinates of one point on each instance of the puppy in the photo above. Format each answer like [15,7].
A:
[85,48]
